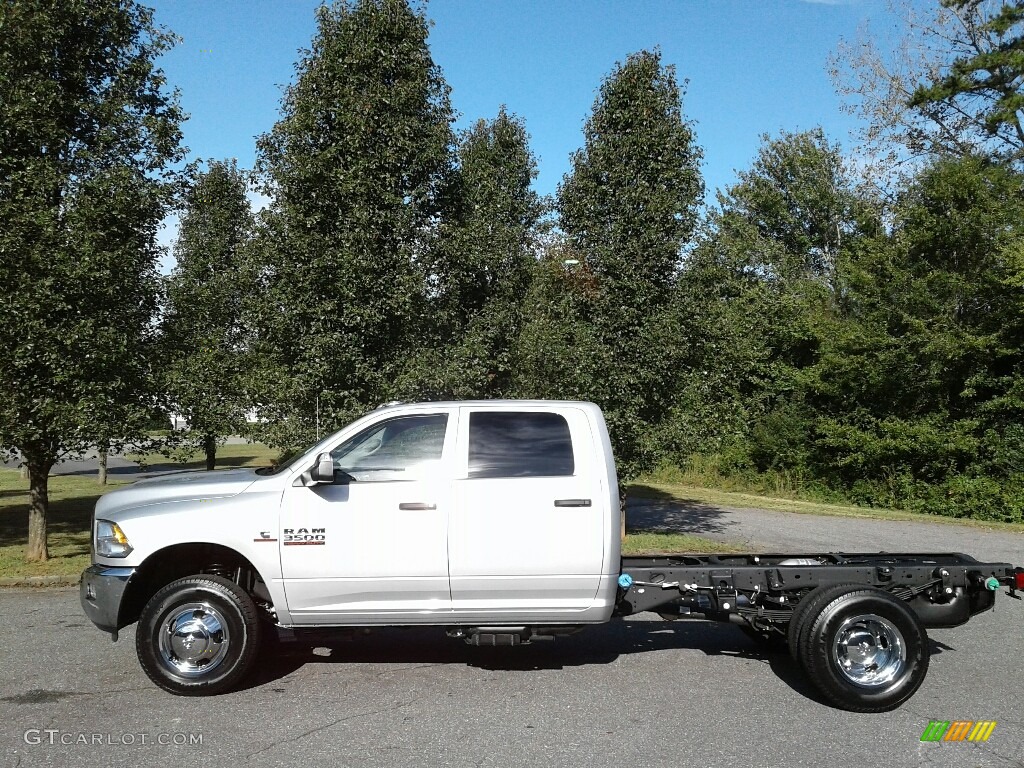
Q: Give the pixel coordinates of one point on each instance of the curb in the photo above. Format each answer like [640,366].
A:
[39,581]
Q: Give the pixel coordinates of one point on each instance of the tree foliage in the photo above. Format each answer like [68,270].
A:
[204,342]
[950,83]
[985,78]
[791,214]
[758,292]
[804,333]
[356,167]
[482,264]
[913,394]
[88,135]
[628,208]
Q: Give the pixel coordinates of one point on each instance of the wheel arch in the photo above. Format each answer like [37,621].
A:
[176,561]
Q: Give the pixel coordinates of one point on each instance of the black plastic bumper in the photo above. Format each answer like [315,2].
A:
[101,590]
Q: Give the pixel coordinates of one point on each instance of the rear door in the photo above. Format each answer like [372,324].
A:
[527,530]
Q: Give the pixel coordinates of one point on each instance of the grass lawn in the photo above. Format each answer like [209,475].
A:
[668,543]
[72,498]
[244,455]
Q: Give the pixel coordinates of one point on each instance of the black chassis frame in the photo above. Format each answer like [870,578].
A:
[762,590]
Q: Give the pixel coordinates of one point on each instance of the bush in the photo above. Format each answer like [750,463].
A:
[780,440]
[978,498]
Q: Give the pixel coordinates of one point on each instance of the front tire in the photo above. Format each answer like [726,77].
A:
[198,635]
[866,651]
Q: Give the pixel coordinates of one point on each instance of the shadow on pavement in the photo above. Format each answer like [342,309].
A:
[653,511]
[601,644]
[111,471]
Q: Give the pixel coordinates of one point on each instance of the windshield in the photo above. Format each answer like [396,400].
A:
[308,455]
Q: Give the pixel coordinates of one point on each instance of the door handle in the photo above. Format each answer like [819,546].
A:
[416,506]
[572,502]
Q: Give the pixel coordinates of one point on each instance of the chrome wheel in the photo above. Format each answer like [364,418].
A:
[869,651]
[193,639]
[198,635]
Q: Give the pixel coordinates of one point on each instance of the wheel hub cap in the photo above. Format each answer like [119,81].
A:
[193,639]
[869,651]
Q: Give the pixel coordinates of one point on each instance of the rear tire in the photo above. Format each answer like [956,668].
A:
[198,636]
[865,650]
[809,607]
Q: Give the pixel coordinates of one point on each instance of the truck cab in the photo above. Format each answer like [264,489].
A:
[453,512]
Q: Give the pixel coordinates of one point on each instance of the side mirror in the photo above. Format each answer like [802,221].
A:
[323,470]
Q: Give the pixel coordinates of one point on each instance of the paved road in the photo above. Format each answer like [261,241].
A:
[117,465]
[634,693]
[764,530]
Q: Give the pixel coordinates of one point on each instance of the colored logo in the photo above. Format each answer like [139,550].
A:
[958,730]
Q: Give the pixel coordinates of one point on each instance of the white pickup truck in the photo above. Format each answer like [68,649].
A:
[498,520]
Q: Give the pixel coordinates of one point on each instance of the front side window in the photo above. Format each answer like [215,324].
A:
[397,449]
[519,445]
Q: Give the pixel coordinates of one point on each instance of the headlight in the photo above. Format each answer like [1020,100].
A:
[110,540]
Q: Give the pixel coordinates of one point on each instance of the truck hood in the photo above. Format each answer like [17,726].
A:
[178,486]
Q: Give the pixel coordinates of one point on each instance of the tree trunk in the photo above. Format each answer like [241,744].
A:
[210,446]
[101,473]
[24,471]
[39,479]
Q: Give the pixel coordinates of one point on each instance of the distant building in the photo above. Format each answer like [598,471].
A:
[180,422]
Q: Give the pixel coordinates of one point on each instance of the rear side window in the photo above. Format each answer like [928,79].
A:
[519,445]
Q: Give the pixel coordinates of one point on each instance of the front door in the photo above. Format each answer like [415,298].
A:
[372,547]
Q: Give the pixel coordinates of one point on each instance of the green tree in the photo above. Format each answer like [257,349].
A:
[627,208]
[917,396]
[761,289]
[985,78]
[790,215]
[559,355]
[482,264]
[203,339]
[87,136]
[356,168]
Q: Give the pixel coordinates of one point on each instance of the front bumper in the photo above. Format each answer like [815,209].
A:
[101,590]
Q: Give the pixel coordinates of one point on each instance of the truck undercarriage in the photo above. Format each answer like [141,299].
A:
[855,622]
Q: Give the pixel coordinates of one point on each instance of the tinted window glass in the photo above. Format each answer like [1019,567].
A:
[519,445]
[392,450]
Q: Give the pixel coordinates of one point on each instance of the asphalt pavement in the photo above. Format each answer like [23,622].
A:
[766,530]
[117,464]
[633,693]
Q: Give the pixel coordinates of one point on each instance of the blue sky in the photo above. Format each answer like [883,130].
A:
[754,67]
